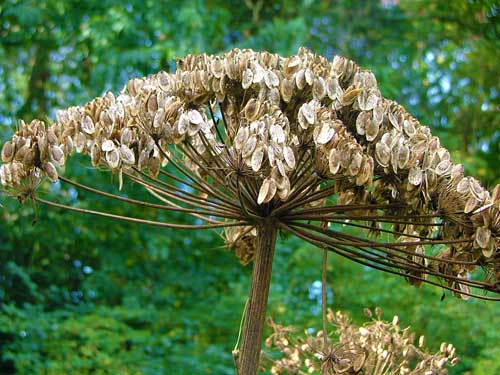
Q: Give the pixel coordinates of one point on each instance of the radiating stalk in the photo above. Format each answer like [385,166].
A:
[257,300]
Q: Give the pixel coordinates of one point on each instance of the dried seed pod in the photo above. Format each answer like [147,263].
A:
[95,154]
[309,76]
[482,237]
[464,288]
[241,137]
[409,128]
[403,156]
[258,73]
[367,100]
[8,151]
[371,129]
[463,186]
[393,119]
[359,362]
[333,89]
[476,189]
[182,124]
[68,145]
[152,103]
[277,134]
[247,79]
[80,141]
[127,136]
[217,67]
[287,89]
[252,109]
[154,165]
[267,191]
[57,155]
[382,154]
[361,121]
[319,88]
[51,136]
[257,158]
[271,79]
[281,167]
[350,95]
[443,167]
[249,146]
[113,158]
[289,156]
[355,163]
[307,115]
[271,155]
[365,175]
[415,176]
[87,125]
[323,134]
[291,65]
[471,204]
[143,159]
[334,161]
[50,171]
[29,157]
[300,79]
[108,145]
[5,175]
[195,117]
[274,97]
[159,118]
[127,155]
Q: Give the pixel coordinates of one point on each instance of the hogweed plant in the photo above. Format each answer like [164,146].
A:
[376,348]
[256,143]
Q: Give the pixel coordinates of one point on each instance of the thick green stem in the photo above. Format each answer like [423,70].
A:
[248,363]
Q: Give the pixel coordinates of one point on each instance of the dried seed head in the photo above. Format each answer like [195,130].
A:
[274,111]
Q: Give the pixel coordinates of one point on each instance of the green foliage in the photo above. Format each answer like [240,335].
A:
[82,295]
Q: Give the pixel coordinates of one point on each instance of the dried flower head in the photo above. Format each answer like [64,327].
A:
[246,136]
[376,348]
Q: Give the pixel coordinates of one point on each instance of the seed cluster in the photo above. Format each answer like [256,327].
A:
[274,134]
[376,348]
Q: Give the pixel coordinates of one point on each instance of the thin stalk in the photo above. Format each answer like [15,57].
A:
[140,221]
[354,256]
[171,206]
[399,261]
[366,257]
[323,298]
[178,194]
[248,363]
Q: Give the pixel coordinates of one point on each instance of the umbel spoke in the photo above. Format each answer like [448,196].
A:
[301,144]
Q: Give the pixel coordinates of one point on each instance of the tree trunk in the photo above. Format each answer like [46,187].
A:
[248,363]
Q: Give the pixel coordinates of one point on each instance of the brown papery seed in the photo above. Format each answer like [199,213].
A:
[8,151]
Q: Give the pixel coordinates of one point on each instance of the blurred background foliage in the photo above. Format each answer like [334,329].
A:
[81,295]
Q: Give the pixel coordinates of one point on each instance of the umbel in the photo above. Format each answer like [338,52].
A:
[256,143]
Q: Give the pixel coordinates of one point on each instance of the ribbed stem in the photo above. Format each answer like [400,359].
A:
[257,300]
